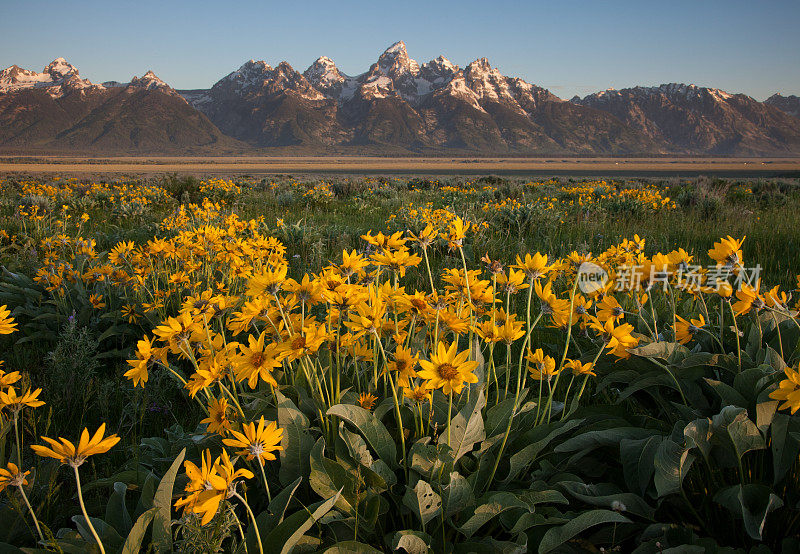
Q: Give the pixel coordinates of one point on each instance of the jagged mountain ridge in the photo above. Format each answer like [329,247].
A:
[789,104]
[691,119]
[397,105]
[398,102]
[57,110]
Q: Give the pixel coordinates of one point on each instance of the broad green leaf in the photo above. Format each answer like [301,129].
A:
[743,433]
[497,416]
[557,536]
[488,545]
[672,461]
[162,502]
[145,501]
[609,496]
[727,394]
[698,435]
[108,536]
[269,519]
[765,412]
[534,519]
[370,428]
[116,512]
[520,460]
[785,447]
[356,446]
[133,544]
[604,437]
[457,495]
[638,458]
[547,496]
[428,459]
[328,478]
[466,427]
[355,547]
[286,535]
[296,441]
[423,501]
[752,503]
[489,507]
[412,542]
[671,351]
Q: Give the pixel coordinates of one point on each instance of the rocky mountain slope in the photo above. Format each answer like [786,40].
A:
[789,104]
[397,106]
[435,106]
[57,110]
[688,119]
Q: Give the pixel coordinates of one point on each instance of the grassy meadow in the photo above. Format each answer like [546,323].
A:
[399,364]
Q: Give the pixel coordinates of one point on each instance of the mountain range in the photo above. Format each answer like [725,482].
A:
[398,106]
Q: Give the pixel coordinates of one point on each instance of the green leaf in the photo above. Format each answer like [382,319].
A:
[533,519]
[489,507]
[457,495]
[729,395]
[351,546]
[698,435]
[356,446]
[785,446]
[108,536]
[743,433]
[605,495]
[520,460]
[488,545]
[413,542]
[672,461]
[423,501]
[286,535]
[638,457]
[296,441]
[427,459]
[557,536]
[765,412]
[162,503]
[370,428]
[604,437]
[116,512]
[145,501]
[269,519]
[752,503]
[466,427]
[671,351]
[133,544]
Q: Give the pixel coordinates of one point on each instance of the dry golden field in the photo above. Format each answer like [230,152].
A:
[373,165]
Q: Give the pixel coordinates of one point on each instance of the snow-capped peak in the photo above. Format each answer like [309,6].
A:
[60,68]
[395,61]
[57,77]
[398,46]
[673,90]
[149,81]
[443,63]
[324,75]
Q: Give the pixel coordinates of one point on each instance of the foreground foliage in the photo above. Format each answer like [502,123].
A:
[404,396]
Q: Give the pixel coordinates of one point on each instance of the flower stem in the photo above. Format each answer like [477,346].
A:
[449,412]
[253,519]
[33,514]
[736,330]
[83,509]
[264,477]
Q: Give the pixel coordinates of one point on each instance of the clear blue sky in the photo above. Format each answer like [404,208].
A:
[574,47]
